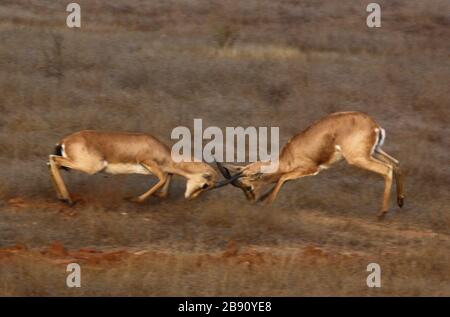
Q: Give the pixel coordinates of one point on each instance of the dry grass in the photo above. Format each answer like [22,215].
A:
[153,65]
[247,271]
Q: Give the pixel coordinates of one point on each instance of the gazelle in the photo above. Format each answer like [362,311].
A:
[352,136]
[92,152]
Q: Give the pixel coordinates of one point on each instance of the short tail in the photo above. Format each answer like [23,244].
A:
[59,152]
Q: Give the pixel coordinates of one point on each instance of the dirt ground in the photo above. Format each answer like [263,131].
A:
[150,66]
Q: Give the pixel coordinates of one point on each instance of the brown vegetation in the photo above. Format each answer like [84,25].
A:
[153,65]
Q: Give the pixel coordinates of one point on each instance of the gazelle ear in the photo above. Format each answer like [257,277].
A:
[234,168]
[256,176]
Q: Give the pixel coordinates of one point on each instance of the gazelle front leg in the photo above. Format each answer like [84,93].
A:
[269,198]
[152,168]
[58,182]
[164,192]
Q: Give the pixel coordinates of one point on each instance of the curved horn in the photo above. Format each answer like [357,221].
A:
[227,181]
[223,170]
[226,173]
[236,183]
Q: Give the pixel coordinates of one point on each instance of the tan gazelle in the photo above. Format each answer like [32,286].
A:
[353,136]
[92,152]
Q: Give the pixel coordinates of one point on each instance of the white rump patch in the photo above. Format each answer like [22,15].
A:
[379,141]
[383,137]
[63,151]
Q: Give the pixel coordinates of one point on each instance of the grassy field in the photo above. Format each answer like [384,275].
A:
[150,66]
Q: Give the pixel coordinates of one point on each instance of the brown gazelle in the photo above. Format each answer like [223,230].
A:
[128,153]
[352,136]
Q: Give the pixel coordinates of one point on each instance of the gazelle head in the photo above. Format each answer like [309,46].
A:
[248,181]
[197,183]
[204,178]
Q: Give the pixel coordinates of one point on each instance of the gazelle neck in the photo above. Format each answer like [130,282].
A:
[187,169]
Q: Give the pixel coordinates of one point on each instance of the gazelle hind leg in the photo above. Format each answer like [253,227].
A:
[91,167]
[61,189]
[386,170]
[399,180]
[387,156]
[54,182]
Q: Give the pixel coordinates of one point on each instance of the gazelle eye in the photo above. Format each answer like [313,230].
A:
[205,186]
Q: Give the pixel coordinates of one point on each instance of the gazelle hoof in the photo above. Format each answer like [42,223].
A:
[69,202]
[133,199]
[400,201]
[263,198]
[161,195]
[253,200]
[381,215]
